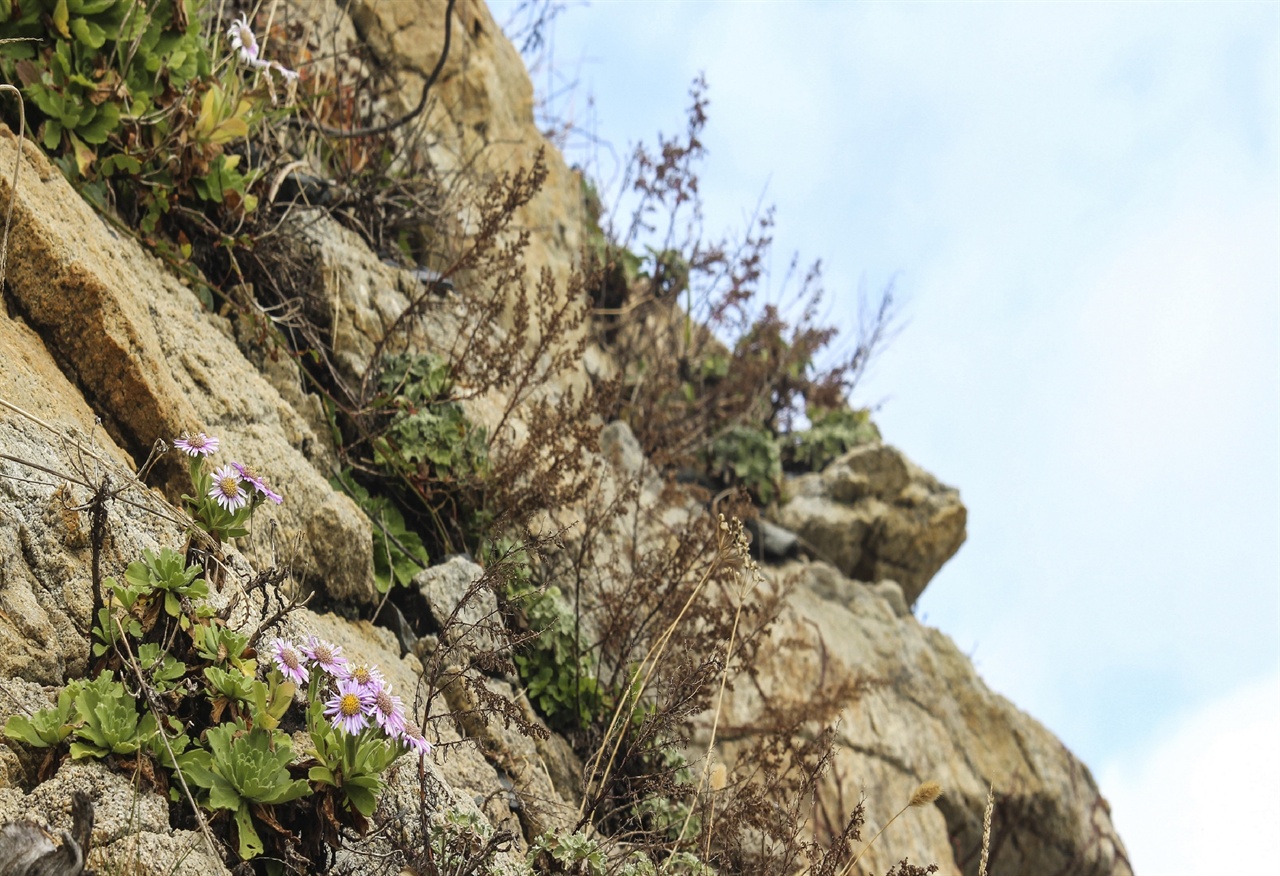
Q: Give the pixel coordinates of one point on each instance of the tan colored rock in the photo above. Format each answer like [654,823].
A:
[875,515]
[155,365]
[482,116]
[929,718]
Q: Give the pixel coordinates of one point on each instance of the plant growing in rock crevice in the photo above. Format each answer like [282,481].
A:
[715,381]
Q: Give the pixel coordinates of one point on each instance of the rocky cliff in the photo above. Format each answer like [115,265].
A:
[103,351]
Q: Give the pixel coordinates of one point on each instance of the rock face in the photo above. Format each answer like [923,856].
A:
[927,716]
[484,110]
[92,328]
[153,365]
[875,515]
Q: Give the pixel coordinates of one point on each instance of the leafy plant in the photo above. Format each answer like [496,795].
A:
[244,766]
[108,721]
[428,431]
[127,89]
[230,687]
[398,552]
[47,727]
[169,573]
[831,433]
[121,600]
[352,764]
[224,499]
[748,456]
[462,843]
[163,669]
[559,676]
[220,644]
[571,853]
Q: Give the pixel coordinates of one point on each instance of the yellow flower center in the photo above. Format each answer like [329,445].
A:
[349,705]
[229,487]
[361,674]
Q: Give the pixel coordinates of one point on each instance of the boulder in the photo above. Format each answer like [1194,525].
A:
[450,592]
[875,515]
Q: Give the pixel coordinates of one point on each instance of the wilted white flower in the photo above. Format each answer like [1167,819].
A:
[244,42]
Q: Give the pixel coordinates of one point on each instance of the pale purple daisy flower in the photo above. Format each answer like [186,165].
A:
[388,711]
[198,444]
[259,484]
[411,737]
[326,655]
[366,676]
[350,707]
[227,489]
[243,40]
[289,661]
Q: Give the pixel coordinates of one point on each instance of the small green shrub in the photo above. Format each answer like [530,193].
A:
[429,436]
[131,102]
[241,767]
[48,727]
[398,552]
[107,720]
[831,433]
[559,676]
[750,457]
[573,853]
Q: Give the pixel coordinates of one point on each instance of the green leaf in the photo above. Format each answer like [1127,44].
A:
[104,122]
[52,134]
[89,33]
[92,7]
[361,793]
[250,842]
[233,684]
[59,19]
[165,670]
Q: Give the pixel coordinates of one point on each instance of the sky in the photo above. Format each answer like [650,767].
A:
[1079,207]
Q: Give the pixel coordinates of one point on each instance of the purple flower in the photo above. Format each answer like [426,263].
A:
[198,444]
[350,707]
[289,661]
[227,489]
[326,655]
[412,738]
[388,711]
[365,676]
[243,40]
[258,483]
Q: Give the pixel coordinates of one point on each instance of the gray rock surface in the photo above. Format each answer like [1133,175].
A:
[451,595]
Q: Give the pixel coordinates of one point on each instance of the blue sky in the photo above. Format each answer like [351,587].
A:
[1080,205]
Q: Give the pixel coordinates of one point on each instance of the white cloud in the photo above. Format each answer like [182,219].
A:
[1202,799]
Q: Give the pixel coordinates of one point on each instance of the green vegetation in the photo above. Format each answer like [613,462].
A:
[831,433]
[132,103]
